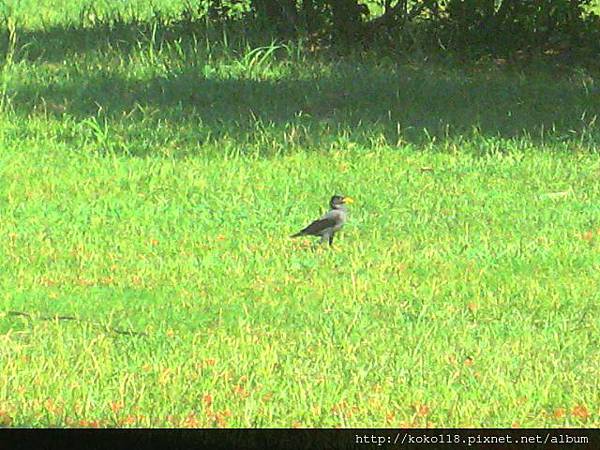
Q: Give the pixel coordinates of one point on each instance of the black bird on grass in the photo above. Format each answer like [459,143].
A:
[331,222]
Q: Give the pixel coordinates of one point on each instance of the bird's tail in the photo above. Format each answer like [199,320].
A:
[300,233]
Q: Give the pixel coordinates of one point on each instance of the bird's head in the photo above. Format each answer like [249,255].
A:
[338,200]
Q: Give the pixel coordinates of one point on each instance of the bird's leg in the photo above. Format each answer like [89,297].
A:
[331,239]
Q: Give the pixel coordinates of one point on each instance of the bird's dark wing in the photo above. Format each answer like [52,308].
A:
[317,227]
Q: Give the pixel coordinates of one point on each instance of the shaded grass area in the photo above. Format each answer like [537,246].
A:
[204,85]
[397,105]
[149,184]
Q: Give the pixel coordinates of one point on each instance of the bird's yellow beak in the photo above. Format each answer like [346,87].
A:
[348,200]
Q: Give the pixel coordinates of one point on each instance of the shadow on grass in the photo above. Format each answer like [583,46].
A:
[57,43]
[360,101]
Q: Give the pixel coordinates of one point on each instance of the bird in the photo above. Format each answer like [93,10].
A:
[330,222]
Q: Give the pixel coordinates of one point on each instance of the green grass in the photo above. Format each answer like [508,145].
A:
[150,178]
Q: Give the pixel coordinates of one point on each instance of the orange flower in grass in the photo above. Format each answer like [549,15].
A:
[407,424]
[239,390]
[5,419]
[52,407]
[108,280]
[128,420]
[422,410]
[588,236]
[220,418]
[115,407]
[559,413]
[85,282]
[191,421]
[90,424]
[170,419]
[207,400]
[47,282]
[581,412]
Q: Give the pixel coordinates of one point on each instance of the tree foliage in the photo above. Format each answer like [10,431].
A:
[495,25]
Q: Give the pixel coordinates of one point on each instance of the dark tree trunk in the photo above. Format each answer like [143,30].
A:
[309,15]
[346,18]
[281,14]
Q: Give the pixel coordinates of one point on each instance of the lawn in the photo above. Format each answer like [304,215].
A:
[151,173]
